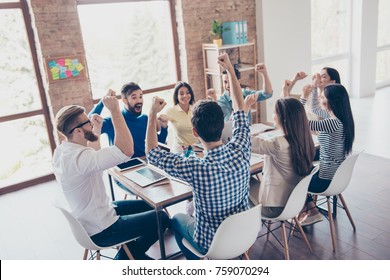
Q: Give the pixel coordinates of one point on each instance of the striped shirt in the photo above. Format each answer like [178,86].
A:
[331,137]
[220,179]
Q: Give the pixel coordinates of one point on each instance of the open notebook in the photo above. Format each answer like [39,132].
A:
[145,176]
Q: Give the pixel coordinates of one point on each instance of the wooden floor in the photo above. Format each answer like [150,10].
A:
[31,228]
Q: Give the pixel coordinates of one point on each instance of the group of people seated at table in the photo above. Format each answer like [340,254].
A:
[220,178]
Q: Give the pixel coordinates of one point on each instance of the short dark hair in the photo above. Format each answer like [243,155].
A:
[67,118]
[333,74]
[128,89]
[207,120]
[178,86]
[236,71]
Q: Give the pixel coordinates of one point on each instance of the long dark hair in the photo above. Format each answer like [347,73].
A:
[293,120]
[333,74]
[338,102]
[178,86]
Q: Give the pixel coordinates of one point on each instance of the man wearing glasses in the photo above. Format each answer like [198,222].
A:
[78,163]
[132,98]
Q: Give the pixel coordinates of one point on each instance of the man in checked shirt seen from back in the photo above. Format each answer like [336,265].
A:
[220,179]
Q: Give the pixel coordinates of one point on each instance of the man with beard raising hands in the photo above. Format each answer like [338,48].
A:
[132,97]
[78,164]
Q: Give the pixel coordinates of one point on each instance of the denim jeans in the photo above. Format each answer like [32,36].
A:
[183,227]
[137,219]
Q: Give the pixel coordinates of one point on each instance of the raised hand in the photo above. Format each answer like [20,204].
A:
[286,88]
[163,119]
[316,80]
[111,103]
[211,94]
[306,90]
[111,92]
[224,61]
[157,105]
[261,68]
[249,101]
[299,76]
[97,123]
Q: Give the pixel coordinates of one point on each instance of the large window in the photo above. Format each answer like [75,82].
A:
[26,143]
[129,41]
[330,33]
[383,43]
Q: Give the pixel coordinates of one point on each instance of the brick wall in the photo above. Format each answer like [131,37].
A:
[57,28]
[196,17]
[58,34]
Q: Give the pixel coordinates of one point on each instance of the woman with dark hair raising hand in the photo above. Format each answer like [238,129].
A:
[287,158]
[336,134]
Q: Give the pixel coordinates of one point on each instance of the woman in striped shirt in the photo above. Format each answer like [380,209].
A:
[336,133]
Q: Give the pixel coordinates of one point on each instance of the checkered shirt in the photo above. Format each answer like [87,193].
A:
[220,179]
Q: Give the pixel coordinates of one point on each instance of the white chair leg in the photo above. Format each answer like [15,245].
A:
[347,211]
[331,223]
[286,253]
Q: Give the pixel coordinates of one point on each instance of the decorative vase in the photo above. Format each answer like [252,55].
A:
[218,42]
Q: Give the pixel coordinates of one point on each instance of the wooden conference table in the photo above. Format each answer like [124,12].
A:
[161,194]
[167,192]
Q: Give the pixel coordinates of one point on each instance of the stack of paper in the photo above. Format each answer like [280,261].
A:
[256,158]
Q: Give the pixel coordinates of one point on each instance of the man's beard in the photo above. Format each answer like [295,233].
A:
[90,136]
[132,110]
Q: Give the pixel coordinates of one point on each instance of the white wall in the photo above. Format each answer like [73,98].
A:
[284,40]
[364,47]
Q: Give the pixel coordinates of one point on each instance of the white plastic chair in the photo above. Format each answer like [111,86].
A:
[293,206]
[85,240]
[234,236]
[339,183]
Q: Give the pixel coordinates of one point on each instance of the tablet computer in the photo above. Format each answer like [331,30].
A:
[134,162]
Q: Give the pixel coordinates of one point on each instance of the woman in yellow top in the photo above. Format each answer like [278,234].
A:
[180,116]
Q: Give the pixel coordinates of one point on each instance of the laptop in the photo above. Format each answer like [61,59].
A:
[145,176]
[227,132]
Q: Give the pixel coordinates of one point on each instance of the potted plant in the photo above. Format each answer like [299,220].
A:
[216,33]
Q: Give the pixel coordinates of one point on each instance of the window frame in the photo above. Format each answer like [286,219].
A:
[23,6]
[347,55]
[174,36]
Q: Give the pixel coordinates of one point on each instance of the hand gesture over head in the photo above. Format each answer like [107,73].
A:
[211,94]
[306,90]
[111,103]
[163,119]
[260,67]
[249,101]
[316,80]
[97,123]
[225,63]
[157,105]
[286,88]
[299,76]
[111,92]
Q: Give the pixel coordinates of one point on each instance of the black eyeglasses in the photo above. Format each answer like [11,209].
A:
[80,125]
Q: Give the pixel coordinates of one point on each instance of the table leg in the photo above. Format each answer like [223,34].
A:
[111,187]
[160,236]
